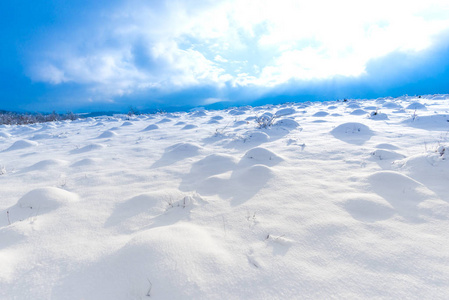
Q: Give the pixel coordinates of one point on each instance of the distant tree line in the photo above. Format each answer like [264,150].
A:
[14,118]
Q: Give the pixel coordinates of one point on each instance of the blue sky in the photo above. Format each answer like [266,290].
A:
[108,55]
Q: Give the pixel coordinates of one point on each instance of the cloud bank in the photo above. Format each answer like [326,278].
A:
[180,51]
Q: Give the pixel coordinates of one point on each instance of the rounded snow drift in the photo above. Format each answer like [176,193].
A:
[21,144]
[151,127]
[46,198]
[417,105]
[287,123]
[353,133]
[261,155]
[107,134]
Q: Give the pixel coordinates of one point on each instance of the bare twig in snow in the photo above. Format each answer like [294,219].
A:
[149,290]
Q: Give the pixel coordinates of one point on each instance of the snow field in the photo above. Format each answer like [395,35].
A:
[330,200]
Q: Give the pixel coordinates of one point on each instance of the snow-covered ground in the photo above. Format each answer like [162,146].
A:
[344,200]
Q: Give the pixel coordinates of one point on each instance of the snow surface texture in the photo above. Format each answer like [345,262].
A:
[343,200]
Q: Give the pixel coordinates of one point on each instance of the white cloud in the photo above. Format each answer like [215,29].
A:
[341,37]
[187,43]
[220,59]
[212,101]
[308,64]
[48,73]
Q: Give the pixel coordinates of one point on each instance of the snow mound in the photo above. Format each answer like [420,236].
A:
[411,199]
[382,154]
[238,186]
[86,162]
[213,164]
[87,148]
[177,152]
[151,127]
[47,126]
[198,114]
[38,202]
[165,120]
[127,123]
[287,123]
[193,255]
[183,149]
[391,105]
[143,206]
[369,208]
[48,198]
[189,126]
[353,105]
[359,112]
[256,137]
[402,192]
[386,146]
[21,144]
[426,164]
[236,112]
[320,114]
[47,164]
[377,116]
[432,122]
[285,112]
[254,176]
[4,135]
[107,134]
[352,133]
[417,106]
[261,155]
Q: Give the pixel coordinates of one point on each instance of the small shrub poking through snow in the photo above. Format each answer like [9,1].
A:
[265,120]
[441,150]
[377,115]
[188,201]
